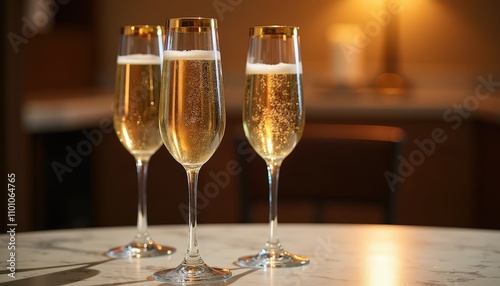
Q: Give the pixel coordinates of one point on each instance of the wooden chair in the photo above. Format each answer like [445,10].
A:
[335,174]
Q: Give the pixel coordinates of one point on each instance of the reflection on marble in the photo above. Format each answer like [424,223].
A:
[372,255]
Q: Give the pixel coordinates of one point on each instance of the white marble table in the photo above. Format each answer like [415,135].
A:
[381,255]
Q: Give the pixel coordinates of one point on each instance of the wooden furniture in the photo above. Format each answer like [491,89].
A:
[337,173]
[463,167]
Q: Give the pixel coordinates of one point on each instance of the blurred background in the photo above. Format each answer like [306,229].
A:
[430,67]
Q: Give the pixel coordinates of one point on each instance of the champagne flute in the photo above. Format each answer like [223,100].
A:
[192,122]
[273,120]
[135,119]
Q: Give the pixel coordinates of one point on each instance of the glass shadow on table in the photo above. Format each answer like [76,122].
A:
[62,277]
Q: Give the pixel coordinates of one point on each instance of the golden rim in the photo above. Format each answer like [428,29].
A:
[191,22]
[141,30]
[275,30]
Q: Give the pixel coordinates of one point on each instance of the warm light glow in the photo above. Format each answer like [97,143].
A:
[382,4]
[382,265]
[370,4]
[383,258]
[345,57]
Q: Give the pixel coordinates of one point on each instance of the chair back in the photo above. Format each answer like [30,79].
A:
[335,174]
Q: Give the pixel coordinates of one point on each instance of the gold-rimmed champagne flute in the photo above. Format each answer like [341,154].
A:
[135,119]
[273,121]
[192,122]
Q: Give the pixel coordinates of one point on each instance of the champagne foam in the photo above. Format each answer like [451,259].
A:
[191,55]
[139,59]
[280,68]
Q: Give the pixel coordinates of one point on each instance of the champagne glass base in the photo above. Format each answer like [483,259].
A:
[138,250]
[192,274]
[273,259]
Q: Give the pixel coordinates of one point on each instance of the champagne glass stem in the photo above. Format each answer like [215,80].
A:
[141,245]
[273,254]
[192,268]
[142,213]
[273,170]
[273,103]
[192,255]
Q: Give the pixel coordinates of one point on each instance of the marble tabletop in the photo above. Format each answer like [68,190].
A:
[340,254]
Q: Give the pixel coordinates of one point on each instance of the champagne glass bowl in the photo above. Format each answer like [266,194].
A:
[192,122]
[273,121]
[135,119]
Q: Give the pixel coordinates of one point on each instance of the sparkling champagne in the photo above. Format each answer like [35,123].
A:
[191,122]
[137,96]
[273,119]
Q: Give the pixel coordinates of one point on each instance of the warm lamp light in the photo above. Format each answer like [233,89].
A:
[346,67]
[347,42]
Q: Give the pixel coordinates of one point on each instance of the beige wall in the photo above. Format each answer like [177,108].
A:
[441,42]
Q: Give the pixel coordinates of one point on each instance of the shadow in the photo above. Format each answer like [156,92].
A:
[51,244]
[241,275]
[122,283]
[54,266]
[63,277]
